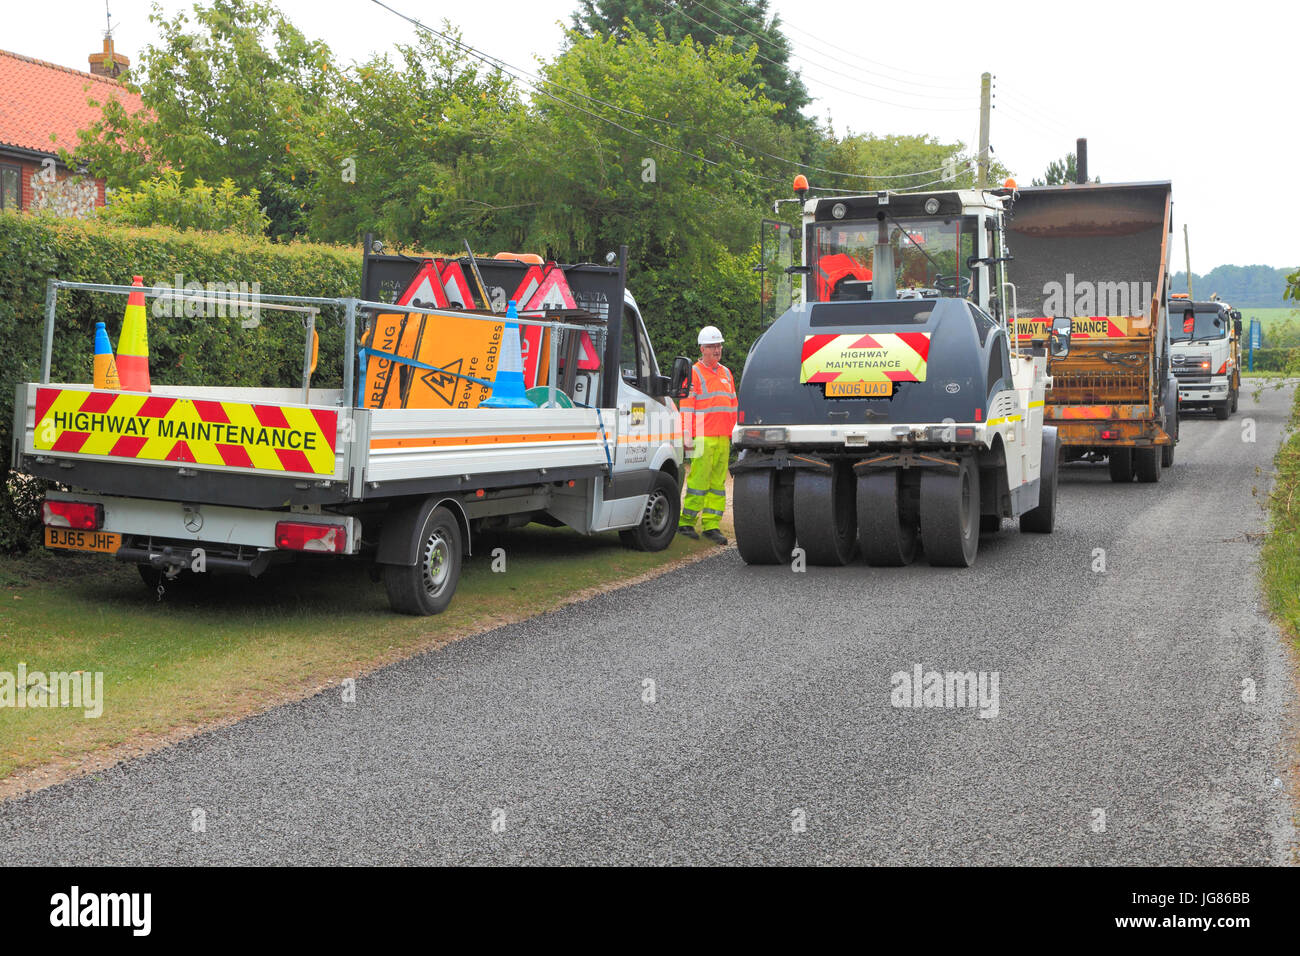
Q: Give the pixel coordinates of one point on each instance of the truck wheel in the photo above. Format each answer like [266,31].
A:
[659,524]
[990,524]
[1167,455]
[825,515]
[950,515]
[1221,411]
[1042,520]
[762,536]
[1121,465]
[1236,392]
[427,586]
[1146,462]
[886,535]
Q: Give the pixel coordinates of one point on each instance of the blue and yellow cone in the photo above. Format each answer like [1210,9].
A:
[508,386]
[105,367]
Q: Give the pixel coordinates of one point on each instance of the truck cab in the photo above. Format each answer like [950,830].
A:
[1205,354]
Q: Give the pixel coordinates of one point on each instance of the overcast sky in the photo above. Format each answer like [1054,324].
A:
[1201,94]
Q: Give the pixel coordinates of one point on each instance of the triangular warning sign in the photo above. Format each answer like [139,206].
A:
[587,359]
[552,293]
[425,290]
[532,281]
[442,384]
[455,285]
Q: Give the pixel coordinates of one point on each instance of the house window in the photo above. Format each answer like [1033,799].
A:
[11,192]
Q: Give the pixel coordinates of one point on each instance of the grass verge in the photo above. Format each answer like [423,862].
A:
[1280,557]
[225,648]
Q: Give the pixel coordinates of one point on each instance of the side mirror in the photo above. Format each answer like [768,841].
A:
[1235,315]
[679,383]
[1236,325]
[658,386]
[1058,346]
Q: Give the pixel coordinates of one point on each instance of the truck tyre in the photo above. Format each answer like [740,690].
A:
[1042,520]
[1236,392]
[1146,462]
[1121,465]
[825,514]
[1167,455]
[763,534]
[886,534]
[427,586]
[990,524]
[662,508]
[950,514]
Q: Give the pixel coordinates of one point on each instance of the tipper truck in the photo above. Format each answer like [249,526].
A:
[405,464]
[1097,253]
[1205,346]
[891,407]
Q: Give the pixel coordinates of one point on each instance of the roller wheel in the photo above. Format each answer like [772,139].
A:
[1146,462]
[886,535]
[1121,465]
[1042,520]
[825,515]
[950,514]
[764,535]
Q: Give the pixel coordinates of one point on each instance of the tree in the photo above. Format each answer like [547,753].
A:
[166,201]
[385,149]
[894,162]
[1061,171]
[746,22]
[225,96]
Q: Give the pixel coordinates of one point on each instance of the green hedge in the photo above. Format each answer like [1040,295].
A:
[189,351]
[1269,360]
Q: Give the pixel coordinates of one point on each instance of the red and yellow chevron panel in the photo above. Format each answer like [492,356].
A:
[879,357]
[1085,327]
[157,428]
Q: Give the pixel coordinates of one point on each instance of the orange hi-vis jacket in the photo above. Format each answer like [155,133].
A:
[710,410]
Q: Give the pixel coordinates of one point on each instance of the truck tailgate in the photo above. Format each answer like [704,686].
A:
[237,430]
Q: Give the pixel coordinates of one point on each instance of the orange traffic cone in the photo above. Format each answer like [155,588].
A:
[105,367]
[133,343]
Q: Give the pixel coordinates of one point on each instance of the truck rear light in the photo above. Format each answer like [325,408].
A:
[302,536]
[765,435]
[950,433]
[1109,435]
[73,514]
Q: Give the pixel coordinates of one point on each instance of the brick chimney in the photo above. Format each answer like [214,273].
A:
[108,63]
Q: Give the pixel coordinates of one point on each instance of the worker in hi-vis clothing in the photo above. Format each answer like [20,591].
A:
[708,416]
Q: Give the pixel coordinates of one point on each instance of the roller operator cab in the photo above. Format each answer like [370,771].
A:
[890,409]
[1205,353]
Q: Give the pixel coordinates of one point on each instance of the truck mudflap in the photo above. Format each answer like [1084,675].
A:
[162,429]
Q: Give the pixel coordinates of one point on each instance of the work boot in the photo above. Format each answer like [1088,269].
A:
[686,531]
[716,536]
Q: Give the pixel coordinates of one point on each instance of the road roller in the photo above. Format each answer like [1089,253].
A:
[888,412]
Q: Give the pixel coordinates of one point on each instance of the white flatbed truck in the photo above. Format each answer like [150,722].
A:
[185,479]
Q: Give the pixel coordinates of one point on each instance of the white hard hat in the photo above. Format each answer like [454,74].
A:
[709,335]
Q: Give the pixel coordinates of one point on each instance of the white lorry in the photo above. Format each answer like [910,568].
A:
[183,479]
[1205,354]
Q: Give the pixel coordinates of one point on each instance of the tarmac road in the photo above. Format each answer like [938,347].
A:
[768,735]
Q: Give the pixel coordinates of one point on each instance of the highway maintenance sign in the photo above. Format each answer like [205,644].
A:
[879,360]
[141,427]
[1083,327]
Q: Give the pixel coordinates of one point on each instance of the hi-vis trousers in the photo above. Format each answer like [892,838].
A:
[706,483]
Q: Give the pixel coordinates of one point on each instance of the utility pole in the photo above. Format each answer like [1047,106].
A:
[1187,251]
[986,103]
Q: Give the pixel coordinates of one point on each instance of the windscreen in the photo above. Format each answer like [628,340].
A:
[928,254]
[1200,325]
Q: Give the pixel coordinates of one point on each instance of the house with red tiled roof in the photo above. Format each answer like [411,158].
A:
[42,108]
